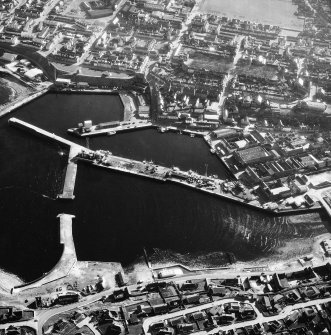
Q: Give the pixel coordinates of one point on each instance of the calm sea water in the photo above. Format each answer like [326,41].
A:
[116,214]
[274,12]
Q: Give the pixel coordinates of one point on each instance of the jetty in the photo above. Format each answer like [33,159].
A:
[128,106]
[64,265]
[104,159]
[111,129]
[70,178]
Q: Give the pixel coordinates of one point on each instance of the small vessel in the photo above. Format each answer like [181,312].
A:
[111,133]
[192,135]
[212,150]
[162,129]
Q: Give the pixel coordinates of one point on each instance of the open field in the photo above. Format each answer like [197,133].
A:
[267,72]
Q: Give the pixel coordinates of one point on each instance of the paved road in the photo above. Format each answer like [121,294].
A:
[148,322]
[95,37]
[44,315]
[259,319]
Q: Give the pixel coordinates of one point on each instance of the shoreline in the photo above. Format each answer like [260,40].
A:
[298,24]
[19,102]
[8,280]
[273,263]
[259,260]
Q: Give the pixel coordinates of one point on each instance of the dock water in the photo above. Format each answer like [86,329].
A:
[121,164]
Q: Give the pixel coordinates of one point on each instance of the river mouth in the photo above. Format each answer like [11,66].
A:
[117,214]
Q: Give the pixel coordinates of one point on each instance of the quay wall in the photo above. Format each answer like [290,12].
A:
[291,211]
[54,137]
[96,91]
[65,264]
[10,107]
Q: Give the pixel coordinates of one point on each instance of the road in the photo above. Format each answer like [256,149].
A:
[95,37]
[44,315]
[319,194]
[259,319]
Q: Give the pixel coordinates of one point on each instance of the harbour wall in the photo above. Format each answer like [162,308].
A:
[64,265]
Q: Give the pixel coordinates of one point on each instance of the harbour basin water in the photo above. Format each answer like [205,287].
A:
[116,214]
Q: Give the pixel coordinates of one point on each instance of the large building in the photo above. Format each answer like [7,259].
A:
[312,107]
[252,155]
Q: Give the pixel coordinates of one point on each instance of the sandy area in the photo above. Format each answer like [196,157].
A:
[284,258]
[82,275]
[7,281]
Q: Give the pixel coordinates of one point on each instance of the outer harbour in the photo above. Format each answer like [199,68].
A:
[180,226]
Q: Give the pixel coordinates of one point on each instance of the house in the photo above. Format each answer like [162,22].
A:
[226,318]
[65,299]
[145,309]
[191,299]
[185,327]
[188,286]
[310,292]
[266,302]
[8,57]
[232,307]
[292,318]
[175,321]
[217,291]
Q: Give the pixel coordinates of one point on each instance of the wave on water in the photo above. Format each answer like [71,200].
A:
[193,260]
[28,190]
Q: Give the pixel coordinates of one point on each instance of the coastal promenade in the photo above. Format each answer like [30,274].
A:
[66,262]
